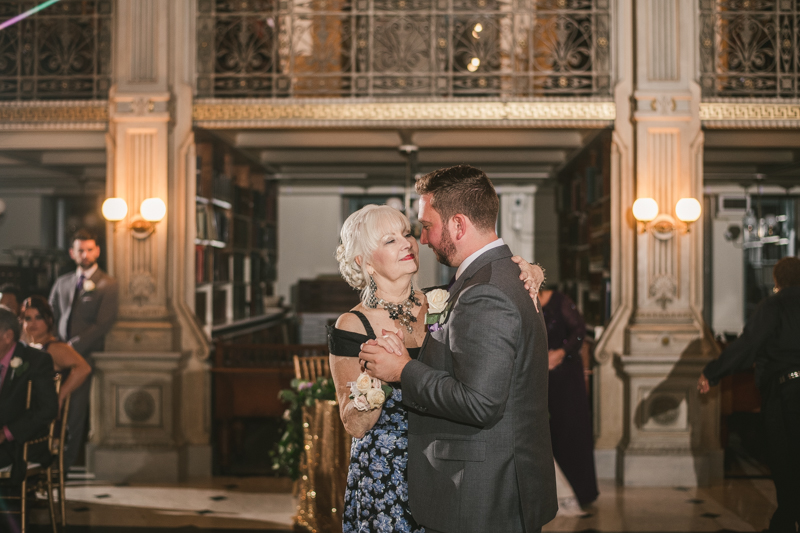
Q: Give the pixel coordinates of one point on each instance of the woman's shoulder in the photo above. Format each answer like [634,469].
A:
[61,349]
[351,322]
[351,330]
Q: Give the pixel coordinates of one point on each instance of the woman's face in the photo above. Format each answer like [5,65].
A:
[33,324]
[397,255]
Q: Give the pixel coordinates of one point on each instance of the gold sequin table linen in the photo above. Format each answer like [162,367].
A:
[323,469]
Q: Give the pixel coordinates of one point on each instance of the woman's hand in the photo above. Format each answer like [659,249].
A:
[703,386]
[555,358]
[532,276]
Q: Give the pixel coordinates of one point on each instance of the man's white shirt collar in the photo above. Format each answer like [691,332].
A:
[88,273]
[469,260]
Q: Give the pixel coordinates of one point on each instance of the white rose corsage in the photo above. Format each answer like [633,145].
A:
[88,285]
[17,366]
[438,308]
[368,393]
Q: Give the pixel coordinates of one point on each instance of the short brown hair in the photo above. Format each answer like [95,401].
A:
[787,272]
[84,234]
[462,189]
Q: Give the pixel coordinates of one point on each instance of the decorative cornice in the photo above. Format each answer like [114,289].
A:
[217,113]
[55,115]
[750,114]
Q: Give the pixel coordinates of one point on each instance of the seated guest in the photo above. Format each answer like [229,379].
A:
[10,296]
[37,324]
[20,364]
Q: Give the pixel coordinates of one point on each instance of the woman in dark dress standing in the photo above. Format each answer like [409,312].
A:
[379,256]
[570,420]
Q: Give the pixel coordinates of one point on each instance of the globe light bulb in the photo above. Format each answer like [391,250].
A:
[153,209]
[645,209]
[688,209]
[114,209]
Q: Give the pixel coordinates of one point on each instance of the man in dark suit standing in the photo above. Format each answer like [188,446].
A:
[18,365]
[479,453]
[85,305]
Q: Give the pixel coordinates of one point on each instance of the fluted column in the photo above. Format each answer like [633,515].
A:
[150,408]
[657,343]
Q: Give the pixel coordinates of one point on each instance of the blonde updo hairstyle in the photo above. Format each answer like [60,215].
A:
[360,236]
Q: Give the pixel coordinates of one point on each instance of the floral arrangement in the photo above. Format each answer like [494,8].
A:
[367,392]
[438,309]
[287,453]
[88,285]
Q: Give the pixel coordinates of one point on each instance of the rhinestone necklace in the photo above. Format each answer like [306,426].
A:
[402,311]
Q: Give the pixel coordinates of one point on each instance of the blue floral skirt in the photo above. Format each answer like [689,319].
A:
[376,499]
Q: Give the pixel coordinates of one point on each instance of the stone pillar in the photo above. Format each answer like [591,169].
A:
[517,218]
[657,343]
[150,405]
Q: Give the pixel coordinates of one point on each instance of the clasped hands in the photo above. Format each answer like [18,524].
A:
[385,357]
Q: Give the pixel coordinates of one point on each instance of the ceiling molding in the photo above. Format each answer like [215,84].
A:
[750,113]
[54,115]
[260,113]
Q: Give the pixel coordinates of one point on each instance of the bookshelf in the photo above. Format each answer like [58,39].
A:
[585,230]
[235,240]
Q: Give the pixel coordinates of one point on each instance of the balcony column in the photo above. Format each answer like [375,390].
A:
[150,403]
[657,343]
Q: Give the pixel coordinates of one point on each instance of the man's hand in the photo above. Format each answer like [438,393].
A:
[386,357]
[702,384]
[555,358]
[532,276]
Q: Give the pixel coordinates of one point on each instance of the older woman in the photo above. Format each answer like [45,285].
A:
[380,257]
[37,320]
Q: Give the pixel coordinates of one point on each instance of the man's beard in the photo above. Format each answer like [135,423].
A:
[446,250]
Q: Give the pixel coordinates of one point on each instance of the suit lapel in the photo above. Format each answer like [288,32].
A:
[7,384]
[482,260]
[491,255]
[70,288]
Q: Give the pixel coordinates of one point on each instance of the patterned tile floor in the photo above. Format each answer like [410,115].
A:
[242,505]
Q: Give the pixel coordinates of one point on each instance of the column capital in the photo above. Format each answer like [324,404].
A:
[139,107]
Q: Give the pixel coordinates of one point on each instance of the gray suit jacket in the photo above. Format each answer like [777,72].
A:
[479,453]
[92,315]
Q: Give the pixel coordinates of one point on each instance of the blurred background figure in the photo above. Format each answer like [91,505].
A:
[85,303]
[37,323]
[570,419]
[10,296]
[771,342]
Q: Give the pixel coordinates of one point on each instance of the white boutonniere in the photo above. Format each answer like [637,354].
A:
[368,393]
[17,366]
[88,285]
[438,309]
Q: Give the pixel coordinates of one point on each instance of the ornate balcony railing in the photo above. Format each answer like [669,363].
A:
[425,48]
[61,53]
[750,48]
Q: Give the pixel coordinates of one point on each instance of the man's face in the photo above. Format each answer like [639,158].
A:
[9,300]
[435,233]
[6,340]
[84,253]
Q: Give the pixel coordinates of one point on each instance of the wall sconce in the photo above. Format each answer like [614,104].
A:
[663,226]
[151,212]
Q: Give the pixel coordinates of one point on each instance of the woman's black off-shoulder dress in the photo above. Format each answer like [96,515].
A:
[376,498]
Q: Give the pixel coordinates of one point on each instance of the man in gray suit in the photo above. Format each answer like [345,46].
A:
[479,454]
[85,305]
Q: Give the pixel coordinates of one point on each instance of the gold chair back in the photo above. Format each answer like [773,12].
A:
[311,367]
